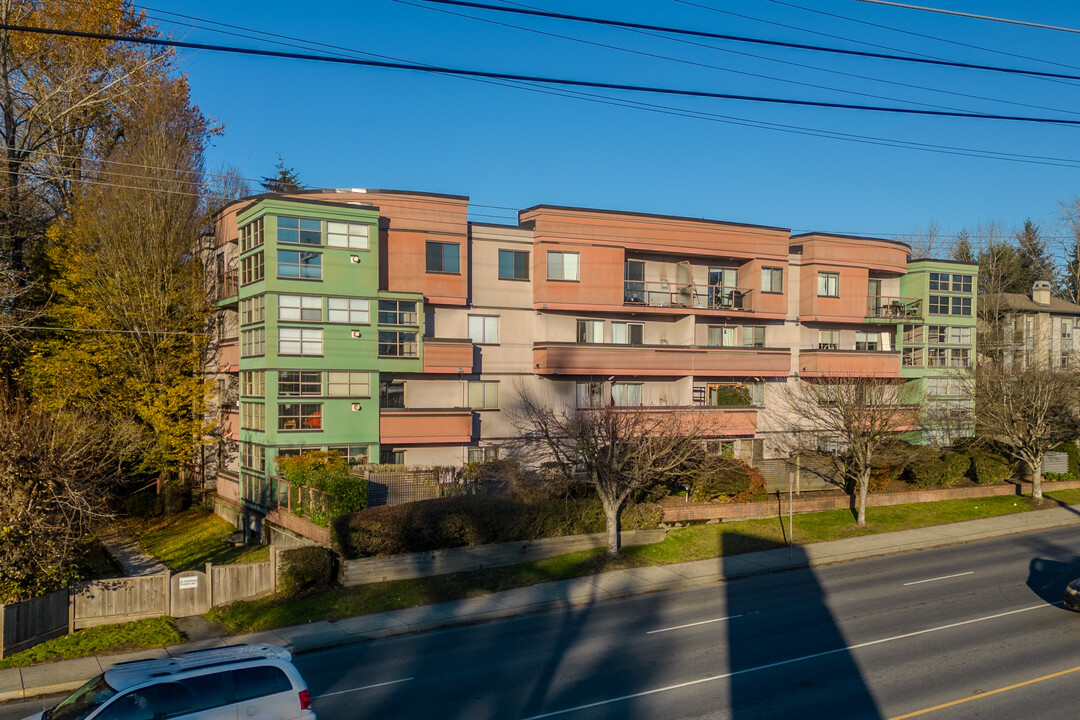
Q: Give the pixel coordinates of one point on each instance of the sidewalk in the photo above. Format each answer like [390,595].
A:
[66,675]
[127,553]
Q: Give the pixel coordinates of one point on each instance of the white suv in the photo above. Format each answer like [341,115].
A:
[256,682]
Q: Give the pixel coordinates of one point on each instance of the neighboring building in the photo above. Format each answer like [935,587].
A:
[1030,329]
[385,325]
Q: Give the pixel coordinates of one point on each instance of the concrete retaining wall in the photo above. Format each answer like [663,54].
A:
[442,562]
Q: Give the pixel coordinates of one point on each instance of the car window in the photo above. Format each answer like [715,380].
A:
[164,700]
[253,682]
[83,701]
[208,691]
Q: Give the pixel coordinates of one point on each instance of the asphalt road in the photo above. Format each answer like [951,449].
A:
[958,632]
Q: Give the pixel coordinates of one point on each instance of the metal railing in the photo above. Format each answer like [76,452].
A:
[894,308]
[706,297]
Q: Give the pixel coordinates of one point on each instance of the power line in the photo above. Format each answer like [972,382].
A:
[533,78]
[756,41]
[939,11]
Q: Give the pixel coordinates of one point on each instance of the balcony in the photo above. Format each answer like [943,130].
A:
[448,356]
[704,420]
[817,362]
[698,297]
[422,427]
[898,309]
[227,285]
[666,360]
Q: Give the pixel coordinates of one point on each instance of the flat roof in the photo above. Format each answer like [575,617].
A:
[650,215]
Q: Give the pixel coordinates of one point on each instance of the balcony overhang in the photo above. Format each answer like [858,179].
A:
[658,360]
[448,356]
[848,363]
[426,427]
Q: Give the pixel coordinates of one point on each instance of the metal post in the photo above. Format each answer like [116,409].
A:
[790,511]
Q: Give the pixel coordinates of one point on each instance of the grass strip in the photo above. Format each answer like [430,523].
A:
[190,539]
[101,640]
[697,542]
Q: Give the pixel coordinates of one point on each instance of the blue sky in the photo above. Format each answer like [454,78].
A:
[508,147]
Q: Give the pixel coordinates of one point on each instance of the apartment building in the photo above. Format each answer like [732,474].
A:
[385,325]
[1034,329]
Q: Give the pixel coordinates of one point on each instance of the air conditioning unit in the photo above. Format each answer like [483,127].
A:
[356,334]
[356,407]
[354,259]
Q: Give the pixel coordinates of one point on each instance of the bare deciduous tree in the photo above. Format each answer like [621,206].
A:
[619,450]
[850,422]
[1028,410]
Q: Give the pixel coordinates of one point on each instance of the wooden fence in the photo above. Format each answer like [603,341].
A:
[117,600]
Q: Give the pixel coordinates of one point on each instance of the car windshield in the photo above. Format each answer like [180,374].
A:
[83,701]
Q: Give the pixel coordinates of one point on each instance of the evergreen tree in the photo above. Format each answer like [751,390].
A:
[1033,260]
[285,180]
[1070,283]
[962,251]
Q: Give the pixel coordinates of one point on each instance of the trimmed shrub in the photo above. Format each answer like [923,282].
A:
[305,569]
[927,470]
[956,467]
[723,477]
[991,468]
[465,520]
[880,477]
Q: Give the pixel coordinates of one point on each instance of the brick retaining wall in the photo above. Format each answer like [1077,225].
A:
[774,506]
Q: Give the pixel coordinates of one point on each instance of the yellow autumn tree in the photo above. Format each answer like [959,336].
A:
[128,284]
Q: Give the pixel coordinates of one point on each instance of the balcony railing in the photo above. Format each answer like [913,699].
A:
[702,297]
[884,307]
[228,285]
[551,358]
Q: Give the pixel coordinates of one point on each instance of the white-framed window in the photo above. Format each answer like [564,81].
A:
[624,333]
[626,394]
[393,343]
[723,336]
[937,357]
[959,336]
[959,357]
[483,454]
[590,394]
[590,331]
[828,340]
[300,341]
[252,310]
[483,394]
[347,235]
[299,308]
[828,284]
[351,383]
[252,268]
[299,231]
[562,265]
[398,312]
[253,383]
[300,416]
[914,335]
[944,282]
[253,342]
[867,341]
[251,235]
[772,280]
[252,456]
[950,305]
[913,356]
[253,416]
[353,454]
[753,336]
[484,329]
[348,310]
[299,383]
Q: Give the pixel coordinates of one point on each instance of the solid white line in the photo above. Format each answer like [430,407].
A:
[943,577]
[366,687]
[703,622]
[780,663]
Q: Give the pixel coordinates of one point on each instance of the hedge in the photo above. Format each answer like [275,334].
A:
[1071,449]
[305,569]
[465,520]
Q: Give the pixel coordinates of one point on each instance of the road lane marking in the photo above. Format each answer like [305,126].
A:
[366,687]
[703,622]
[790,661]
[943,577]
[988,693]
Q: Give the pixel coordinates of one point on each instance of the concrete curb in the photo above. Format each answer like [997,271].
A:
[64,676]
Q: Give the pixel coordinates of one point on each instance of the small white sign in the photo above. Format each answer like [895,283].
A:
[190,581]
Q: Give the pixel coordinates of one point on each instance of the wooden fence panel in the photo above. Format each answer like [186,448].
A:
[25,624]
[102,602]
[240,582]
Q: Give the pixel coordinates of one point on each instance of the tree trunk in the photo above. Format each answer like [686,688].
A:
[864,486]
[1036,479]
[612,512]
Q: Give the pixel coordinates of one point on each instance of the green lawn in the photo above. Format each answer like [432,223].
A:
[192,538]
[125,637]
[696,542]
